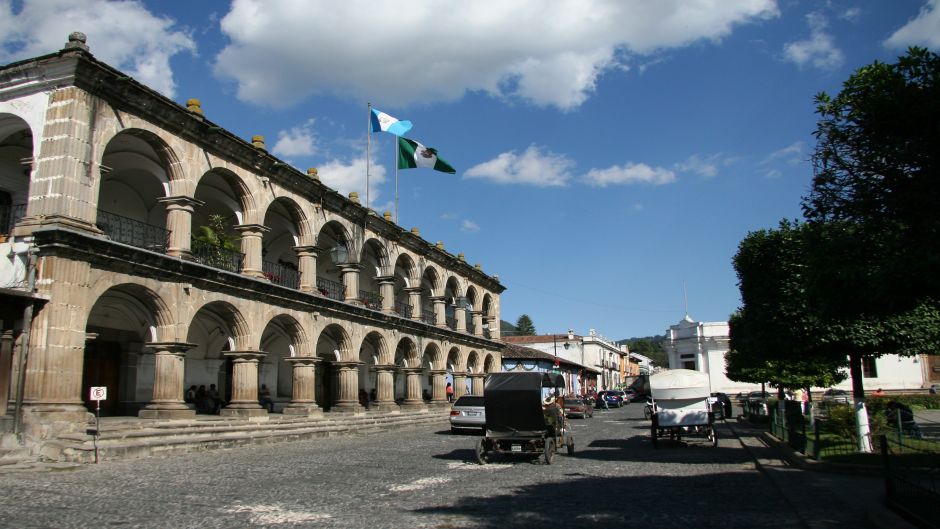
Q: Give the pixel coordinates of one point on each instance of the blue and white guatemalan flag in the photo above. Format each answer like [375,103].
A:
[382,122]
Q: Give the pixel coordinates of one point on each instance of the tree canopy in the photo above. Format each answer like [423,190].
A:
[524,326]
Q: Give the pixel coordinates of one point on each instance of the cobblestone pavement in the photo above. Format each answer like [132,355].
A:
[426,477]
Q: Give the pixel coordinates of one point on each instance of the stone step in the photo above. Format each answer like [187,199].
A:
[130,439]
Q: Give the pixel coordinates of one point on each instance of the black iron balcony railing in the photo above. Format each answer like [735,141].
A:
[133,232]
[331,289]
[10,214]
[373,300]
[281,275]
[403,309]
[427,315]
[216,256]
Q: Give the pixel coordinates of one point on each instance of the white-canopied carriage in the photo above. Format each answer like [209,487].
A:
[681,406]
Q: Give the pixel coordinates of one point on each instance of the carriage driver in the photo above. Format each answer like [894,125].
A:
[552,410]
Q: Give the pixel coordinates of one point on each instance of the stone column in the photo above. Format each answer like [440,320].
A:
[438,385]
[494,330]
[303,395]
[460,315]
[385,389]
[476,381]
[460,385]
[179,222]
[350,273]
[244,401]
[477,323]
[413,398]
[440,314]
[168,373]
[414,299]
[252,235]
[307,266]
[387,291]
[52,389]
[347,387]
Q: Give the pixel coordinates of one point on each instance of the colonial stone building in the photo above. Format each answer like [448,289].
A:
[147,250]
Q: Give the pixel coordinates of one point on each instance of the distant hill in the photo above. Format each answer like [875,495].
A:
[651,346]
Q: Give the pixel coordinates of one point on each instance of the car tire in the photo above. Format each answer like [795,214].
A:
[482,457]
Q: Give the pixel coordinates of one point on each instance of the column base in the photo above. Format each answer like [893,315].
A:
[347,407]
[302,410]
[384,407]
[243,409]
[166,413]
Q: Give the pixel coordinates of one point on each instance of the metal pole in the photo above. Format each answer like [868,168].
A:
[397,150]
[368,150]
[97,427]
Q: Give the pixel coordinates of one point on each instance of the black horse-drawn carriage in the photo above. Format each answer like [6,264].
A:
[519,420]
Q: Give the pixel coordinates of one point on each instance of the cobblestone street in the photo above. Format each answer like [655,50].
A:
[427,477]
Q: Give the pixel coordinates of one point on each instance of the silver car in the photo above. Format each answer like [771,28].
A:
[468,412]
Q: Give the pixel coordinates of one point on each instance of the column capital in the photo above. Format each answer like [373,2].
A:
[306,250]
[245,356]
[303,360]
[252,229]
[347,364]
[181,202]
[437,371]
[384,279]
[171,347]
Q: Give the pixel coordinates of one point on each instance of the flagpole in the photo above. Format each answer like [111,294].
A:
[368,149]
[397,149]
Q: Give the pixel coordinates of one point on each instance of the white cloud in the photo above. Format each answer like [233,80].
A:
[468,226]
[298,141]
[347,177]
[631,173]
[546,53]
[123,34]
[705,166]
[924,30]
[851,14]
[791,154]
[543,169]
[819,50]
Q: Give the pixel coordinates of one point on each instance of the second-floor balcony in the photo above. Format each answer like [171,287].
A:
[331,289]
[133,232]
[373,300]
[216,256]
[403,309]
[280,274]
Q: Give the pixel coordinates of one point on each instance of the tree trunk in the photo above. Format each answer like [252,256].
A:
[858,396]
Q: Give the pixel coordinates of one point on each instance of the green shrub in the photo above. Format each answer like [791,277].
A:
[841,421]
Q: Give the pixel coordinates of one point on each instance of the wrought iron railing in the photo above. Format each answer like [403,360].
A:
[133,232]
[331,289]
[216,256]
[403,309]
[281,275]
[449,316]
[373,300]
[427,315]
[10,214]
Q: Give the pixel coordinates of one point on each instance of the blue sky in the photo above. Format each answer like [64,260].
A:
[607,152]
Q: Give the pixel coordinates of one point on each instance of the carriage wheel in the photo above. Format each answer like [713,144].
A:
[549,453]
[653,434]
[570,445]
[713,436]
[648,412]
[482,456]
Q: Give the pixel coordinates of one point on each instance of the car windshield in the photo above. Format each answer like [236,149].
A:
[574,402]
[467,400]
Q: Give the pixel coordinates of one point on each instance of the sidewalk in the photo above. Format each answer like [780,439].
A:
[821,497]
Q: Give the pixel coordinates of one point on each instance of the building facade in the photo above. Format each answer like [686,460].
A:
[601,360]
[701,346]
[148,250]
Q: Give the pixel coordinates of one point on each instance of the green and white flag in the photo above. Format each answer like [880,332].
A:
[412,154]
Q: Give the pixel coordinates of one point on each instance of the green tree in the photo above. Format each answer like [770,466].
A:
[524,326]
[774,334]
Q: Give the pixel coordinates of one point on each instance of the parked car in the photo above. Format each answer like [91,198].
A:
[468,413]
[624,399]
[576,406]
[610,398]
[837,396]
[721,405]
[756,403]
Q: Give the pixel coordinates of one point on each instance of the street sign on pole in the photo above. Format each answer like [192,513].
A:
[99,393]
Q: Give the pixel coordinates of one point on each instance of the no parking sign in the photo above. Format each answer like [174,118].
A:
[99,393]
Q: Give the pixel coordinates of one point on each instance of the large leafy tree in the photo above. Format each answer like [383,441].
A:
[524,326]
[774,336]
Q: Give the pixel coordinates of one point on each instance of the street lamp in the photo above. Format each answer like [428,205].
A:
[566,345]
[339,254]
